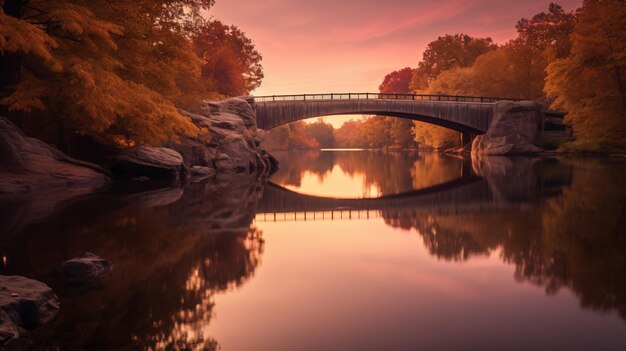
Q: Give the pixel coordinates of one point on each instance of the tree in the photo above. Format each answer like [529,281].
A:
[447,52]
[400,129]
[89,65]
[232,65]
[350,135]
[397,82]
[511,71]
[323,132]
[590,83]
[450,52]
[548,31]
[119,73]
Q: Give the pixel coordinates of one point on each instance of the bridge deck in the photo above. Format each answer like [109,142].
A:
[461,113]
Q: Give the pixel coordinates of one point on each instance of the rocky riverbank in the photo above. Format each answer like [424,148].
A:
[40,175]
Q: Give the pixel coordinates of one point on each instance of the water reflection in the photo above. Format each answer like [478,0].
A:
[565,226]
[364,173]
[182,254]
[172,251]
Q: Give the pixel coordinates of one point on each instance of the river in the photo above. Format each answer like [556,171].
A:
[343,250]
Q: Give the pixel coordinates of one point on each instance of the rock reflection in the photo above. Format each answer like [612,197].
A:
[171,250]
[574,236]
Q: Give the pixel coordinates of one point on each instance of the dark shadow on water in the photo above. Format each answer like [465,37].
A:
[172,250]
[560,222]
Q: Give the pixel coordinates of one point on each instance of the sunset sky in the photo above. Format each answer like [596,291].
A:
[350,45]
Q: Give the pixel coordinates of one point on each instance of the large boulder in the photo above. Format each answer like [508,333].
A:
[231,141]
[155,163]
[36,179]
[30,166]
[513,130]
[86,269]
[24,304]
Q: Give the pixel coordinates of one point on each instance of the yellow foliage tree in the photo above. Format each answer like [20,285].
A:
[97,73]
[590,83]
[512,71]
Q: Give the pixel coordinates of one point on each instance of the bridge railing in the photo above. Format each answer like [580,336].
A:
[380,96]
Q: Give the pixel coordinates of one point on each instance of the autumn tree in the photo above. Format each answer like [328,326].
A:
[512,71]
[397,82]
[548,32]
[117,73]
[231,64]
[322,132]
[350,135]
[447,52]
[400,130]
[590,83]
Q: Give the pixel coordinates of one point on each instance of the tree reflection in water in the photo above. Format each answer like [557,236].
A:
[172,250]
[391,172]
[574,238]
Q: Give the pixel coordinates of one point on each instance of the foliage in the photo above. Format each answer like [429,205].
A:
[375,132]
[322,132]
[400,130]
[297,135]
[516,69]
[114,73]
[511,71]
[231,64]
[397,82]
[590,83]
[548,32]
[448,52]
[434,136]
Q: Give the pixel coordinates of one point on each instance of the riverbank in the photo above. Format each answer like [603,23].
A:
[229,144]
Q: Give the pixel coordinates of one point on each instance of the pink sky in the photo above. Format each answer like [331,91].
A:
[350,45]
[315,46]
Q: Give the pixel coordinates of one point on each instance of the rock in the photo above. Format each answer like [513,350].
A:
[231,143]
[9,332]
[513,130]
[512,179]
[84,270]
[29,166]
[156,198]
[156,163]
[36,179]
[201,172]
[24,304]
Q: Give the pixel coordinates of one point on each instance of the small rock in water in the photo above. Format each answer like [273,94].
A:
[24,304]
[85,270]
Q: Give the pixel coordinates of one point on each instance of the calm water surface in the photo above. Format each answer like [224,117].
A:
[344,250]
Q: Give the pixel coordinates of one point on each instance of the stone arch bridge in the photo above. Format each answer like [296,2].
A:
[468,115]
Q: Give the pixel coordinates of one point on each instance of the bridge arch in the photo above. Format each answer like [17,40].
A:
[463,114]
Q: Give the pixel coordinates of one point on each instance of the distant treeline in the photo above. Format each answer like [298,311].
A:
[374,132]
[574,60]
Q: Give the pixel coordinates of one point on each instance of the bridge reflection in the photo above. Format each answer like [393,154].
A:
[533,181]
[462,195]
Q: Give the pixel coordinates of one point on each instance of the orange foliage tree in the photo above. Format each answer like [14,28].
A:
[114,73]
[590,83]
